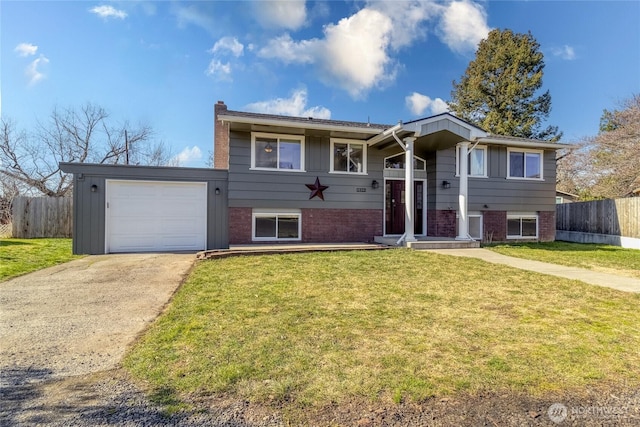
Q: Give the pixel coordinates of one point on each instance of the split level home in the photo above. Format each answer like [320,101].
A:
[306,180]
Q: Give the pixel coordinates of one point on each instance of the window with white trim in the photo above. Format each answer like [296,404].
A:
[348,156]
[277,152]
[524,164]
[477,162]
[276,225]
[522,226]
[397,162]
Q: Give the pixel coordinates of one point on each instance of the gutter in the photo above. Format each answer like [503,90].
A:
[522,143]
[297,124]
[381,136]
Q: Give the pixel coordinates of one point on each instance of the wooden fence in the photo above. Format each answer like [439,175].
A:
[35,217]
[619,217]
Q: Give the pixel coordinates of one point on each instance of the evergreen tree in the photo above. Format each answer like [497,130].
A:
[498,91]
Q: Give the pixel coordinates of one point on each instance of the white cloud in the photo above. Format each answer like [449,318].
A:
[219,70]
[565,52]
[352,55]
[193,15]
[187,155]
[295,106]
[106,12]
[288,15]
[289,51]
[26,49]
[407,20]
[228,43]
[419,103]
[34,70]
[356,54]
[463,25]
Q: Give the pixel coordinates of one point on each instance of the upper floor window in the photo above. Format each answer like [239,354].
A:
[477,162]
[348,156]
[397,162]
[525,164]
[279,152]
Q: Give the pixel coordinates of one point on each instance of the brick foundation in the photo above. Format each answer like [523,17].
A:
[547,226]
[441,223]
[341,225]
[494,226]
[239,226]
[318,225]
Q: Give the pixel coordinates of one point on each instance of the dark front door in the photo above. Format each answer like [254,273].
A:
[394,206]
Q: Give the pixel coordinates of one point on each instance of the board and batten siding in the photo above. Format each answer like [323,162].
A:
[282,189]
[89,207]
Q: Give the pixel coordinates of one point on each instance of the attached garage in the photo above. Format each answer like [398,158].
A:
[156,216]
[120,208]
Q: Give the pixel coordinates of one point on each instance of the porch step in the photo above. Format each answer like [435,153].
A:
[443,244]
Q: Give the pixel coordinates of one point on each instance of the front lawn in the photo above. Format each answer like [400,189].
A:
[21,256]
[310,330]
[604,258]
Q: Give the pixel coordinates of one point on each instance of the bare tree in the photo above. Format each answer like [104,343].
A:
[608,164]
[84,135]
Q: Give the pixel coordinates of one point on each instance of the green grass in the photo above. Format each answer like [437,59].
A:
[21,256]
[605,258]
[308,330]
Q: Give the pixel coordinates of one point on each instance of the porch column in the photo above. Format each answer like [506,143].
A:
[463,225]
[408,190]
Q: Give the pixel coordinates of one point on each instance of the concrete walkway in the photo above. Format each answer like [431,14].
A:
[614,281]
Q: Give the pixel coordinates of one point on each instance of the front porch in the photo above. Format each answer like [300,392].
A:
[428,242]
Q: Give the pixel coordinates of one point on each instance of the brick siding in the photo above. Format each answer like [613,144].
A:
[494,226]
[239,226]
[318,225]
[441,223]
[220,138]
[547,226]
[341,225]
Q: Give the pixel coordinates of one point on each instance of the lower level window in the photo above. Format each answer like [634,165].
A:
[276,226]
[475,226]
[522,226]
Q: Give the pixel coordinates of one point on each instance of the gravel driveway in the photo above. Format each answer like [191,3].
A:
[78,318]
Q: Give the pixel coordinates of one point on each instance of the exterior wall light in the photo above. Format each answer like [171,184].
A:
[375,184]
[217,191]
[446,185]
[94,188]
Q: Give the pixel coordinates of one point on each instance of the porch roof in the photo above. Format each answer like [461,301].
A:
[446,130]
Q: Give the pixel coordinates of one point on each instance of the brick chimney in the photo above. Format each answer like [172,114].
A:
[220,138]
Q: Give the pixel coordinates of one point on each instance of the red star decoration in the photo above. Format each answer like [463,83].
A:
[316,189]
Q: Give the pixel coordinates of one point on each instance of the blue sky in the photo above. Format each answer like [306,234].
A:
[166,63]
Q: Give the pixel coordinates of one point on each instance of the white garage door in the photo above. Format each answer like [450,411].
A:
[149,216]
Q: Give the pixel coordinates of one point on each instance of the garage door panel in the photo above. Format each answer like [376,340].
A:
[156,216]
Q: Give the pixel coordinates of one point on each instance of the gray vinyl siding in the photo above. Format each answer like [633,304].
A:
[496,191]
[89,208]
[276,189]
[281,189]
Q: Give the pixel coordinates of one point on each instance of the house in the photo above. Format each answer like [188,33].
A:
[564,197]
[505,191]
[297,179]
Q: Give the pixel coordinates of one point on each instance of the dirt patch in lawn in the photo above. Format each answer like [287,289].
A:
[113,398]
